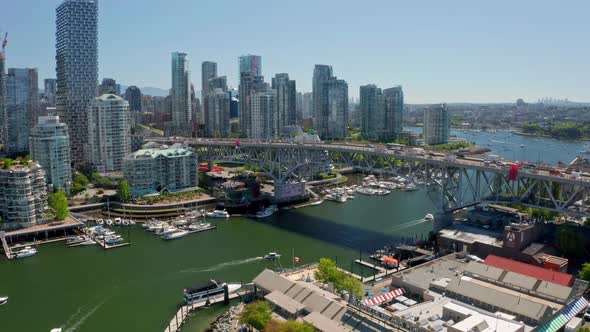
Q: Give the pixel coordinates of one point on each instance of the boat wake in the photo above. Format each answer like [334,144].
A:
[409,224]
[223,265]
[80,316]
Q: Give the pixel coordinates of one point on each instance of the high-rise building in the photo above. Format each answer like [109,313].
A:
[321,75]
[109,86]
[77,68]
[23,202]
[299,107]
[50,91]
[208,71]
[50,146]
[234,106]
[286,100]
[133,96]
[2,96]
[22,104]
[393,111]
[264,111]
[436,124]
[181,95]
[218,82]
[155,168]
[108,133]
[307,105]
[371,107]
[251,81]
[336,109]
[217,113]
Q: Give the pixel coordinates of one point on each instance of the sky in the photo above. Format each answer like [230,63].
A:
[439,51]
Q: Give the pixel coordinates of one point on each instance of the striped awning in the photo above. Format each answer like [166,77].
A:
[564,316]
[377,300]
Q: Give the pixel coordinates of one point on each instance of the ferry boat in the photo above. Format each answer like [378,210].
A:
[272,256]
[3,300]
[218,214]
[175,235]
[429,217]
[26,252]
[208,290]
[267,212]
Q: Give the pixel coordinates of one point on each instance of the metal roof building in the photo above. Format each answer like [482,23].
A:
[537,272]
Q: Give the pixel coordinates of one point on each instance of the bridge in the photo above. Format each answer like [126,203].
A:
[454,182]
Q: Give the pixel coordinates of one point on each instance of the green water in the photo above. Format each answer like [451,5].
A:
[139,287]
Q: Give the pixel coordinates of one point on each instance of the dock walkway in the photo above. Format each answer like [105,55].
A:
[6,248]
[184,311]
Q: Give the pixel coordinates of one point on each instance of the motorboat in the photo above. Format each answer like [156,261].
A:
[113,239]
[267,212]
[180,222]
[132,222]
[167,230]
[208,290]
[318,202]
[196,227]
[3,300]
[272,256]
[218,214]
[125,222]
[56,330]
[118,221]
[76,239]
[26,252]
[100,222]
[429,217]
[109,222]
[87,242]
[175,235]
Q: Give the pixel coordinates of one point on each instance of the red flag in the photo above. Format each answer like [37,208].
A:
[237,143]
[297,259]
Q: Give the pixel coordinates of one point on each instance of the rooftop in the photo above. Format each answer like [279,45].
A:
[175,151]
[536,272]
[470,235]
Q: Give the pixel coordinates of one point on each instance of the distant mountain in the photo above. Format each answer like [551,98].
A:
[148,90]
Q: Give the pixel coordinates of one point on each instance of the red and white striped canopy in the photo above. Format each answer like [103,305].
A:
[377,300]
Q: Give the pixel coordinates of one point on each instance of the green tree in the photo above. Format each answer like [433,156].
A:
[583,329]
[124,191]
[256,314]
[585,272]
[328,272]
[59,204]
[288,326]
[81,179]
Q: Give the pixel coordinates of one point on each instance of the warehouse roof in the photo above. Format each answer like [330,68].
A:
[537,272]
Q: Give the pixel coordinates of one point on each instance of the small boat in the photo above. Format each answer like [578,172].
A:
[318,202]
[76,239]
[429,217]
[167,230]
[3,300]
[109,222]
[175,235]
[272,256]
[56,330]
[132,222]
[585,151]
[267,212]
[208,290]
[118,221]
[113,239]
[100,221]
[522,145]
[125,222]
[218,214]
[88,242]
[26,252]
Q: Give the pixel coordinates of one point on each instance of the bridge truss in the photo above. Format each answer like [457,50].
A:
[452,184]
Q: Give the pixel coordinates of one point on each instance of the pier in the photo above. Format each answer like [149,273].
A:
[182,314]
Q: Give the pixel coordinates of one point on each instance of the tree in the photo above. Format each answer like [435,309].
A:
[328,272]
[256,314]
[59,204]
[584,329]
[124,191]
[585,272]
[288,326]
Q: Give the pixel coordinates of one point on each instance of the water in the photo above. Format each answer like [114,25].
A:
[508,145]
[139,287]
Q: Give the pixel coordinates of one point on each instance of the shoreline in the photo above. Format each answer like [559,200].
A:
[520,133]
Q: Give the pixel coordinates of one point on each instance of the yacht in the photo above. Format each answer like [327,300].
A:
[272,256]
[267,212]
[109,222]
[26,252]
[208,290]
[218,214]
[113,239]
[76,239]
[175,235]
[429,217]
[118,221]
[167,230]
[3,300]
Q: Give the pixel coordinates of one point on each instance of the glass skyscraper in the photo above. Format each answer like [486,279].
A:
[22,106]
[251,81]
[181,95]
[77,68]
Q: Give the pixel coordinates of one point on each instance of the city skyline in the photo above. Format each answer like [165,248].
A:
[436,57]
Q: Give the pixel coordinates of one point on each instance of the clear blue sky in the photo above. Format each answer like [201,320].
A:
[451,50]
